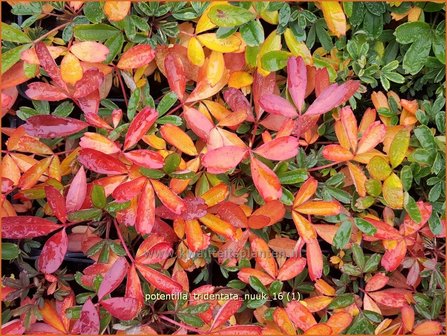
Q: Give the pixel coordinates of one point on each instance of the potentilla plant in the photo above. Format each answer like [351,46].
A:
[217,168]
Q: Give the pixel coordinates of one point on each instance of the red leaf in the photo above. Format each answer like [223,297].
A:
[45,91]
[47,62]
[233,214]
[391,297]
[384,230]
[291,268]
[139,126]
[146,210]
[56,202]
[159,280]
[265,181]
[101,163]
[378,281]
[113,278]
[145,158]
[372,136]
[90,105]
[53,253]
[13,327]
[337,153]
[197,122]
[49,126]
[128,190]
[268,214]
[282,148]
[154,254]
[277,105]
[220,160]
[136,57]
[122,308]
[175,74]
[333,96]
[133,286]
[90,81]
[88,323]
[238,102]
[244,275]
[297,80]
[22,227]
[225,312]
[77,192]
[168,197]
[261,86]
[300,315]
[393,258]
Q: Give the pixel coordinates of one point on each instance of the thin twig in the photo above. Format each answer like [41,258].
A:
[120,236]
[322,167]
[44,36]
[182,325]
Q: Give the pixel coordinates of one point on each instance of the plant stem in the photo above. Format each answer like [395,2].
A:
[121,85]
[120,236]
[322,167]
[182,325]
[44,36]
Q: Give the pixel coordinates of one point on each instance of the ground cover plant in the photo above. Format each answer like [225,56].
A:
[226,168]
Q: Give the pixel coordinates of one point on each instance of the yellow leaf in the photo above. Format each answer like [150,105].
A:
[297,48]
[225,45]
[215,68]
[71,69]
[270,17]
[195,52]
[240,79]
[116,10]
[204,22]
[334,17]
[271,43]
[393,192]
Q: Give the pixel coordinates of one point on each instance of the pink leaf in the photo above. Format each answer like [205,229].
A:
[22,227]
[142,122]
[277,105]
[77,192]
[47,62]
[90,81]
[175,74]
[279,149]
[220,160]
[123,308]
[45,91]
[146,210]
[265,181]
[88,323]
[197,122]
[56,202]
[225,312]
[145,158]
[50,126]
[53,253]
[238,102]
[297,80]
[113,278]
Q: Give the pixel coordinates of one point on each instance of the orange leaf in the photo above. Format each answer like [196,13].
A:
[324,288]
[378,281]
[391,297]
[317,303]
[304,227]
[222,159]
[428,328]
[195,238]
[263,256]
[245,273]
[284,323]
[116,10]
[358,177]
[337,153]
[228,309]
[71,69]
[51,316]
[314,259]
[339,322]
[219,226]
[372,136]
[136,57]
[265,181]
[98,142]
[175,74]
[178,138]
[407,317]
[306,191]
[215,67]
[300,315]
[168,198]
[32,175]
[319,329]
[319,208]
[273,211]
[393,258]
[349,123]
[159,280]
[216,194]
[334,17]
[291,268]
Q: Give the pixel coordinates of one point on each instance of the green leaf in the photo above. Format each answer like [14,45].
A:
[274,60]
[170,119]
[99,196]
[439,47]
[12,56]
[399,147]
[416,56]
[253,33]
[94,32]
[257,285]
[365,227]
[166,103]
[425,137]
[343,234]
[132,106]
[13,34]
[64,109]
[171,163]
[293,176]
[323,35]
[375,8]
[412,31]
[185,175]
[196,309]
[411,208]
[192,320]
[115,44]
[341,301]
[358,255]
[372,263]
[406,176]
[152,173]
[275,287]
[10,251]
[86,214]
[358,12]
[229,16]
[361,325]
[113,207]
[93,12]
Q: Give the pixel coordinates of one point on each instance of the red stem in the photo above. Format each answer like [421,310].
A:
[120,236]
[322,167]
[121,85]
